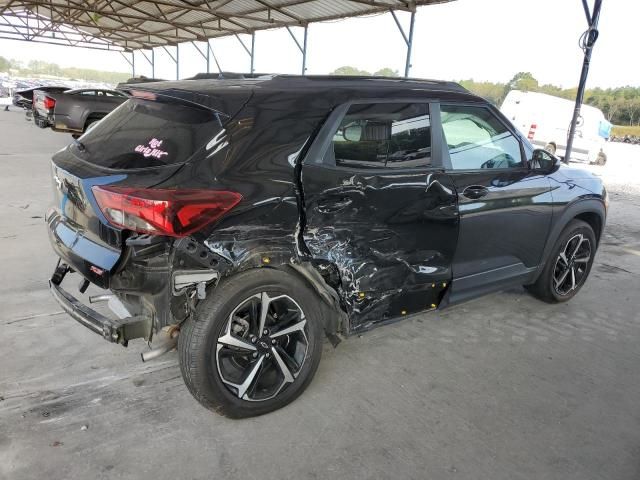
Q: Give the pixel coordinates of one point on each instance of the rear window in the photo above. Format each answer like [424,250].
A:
[143,134]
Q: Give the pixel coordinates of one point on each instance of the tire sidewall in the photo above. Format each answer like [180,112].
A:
[574,228]
[214,311]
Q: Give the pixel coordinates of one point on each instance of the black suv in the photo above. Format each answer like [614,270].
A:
[245,219]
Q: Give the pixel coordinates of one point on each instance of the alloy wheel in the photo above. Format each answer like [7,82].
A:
[571,266]
[263,346]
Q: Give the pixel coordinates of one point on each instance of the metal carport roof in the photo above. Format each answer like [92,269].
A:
[143,24]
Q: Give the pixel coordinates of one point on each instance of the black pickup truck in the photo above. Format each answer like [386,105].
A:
[74,110]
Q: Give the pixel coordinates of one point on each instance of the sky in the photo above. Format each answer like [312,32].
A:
[479,39]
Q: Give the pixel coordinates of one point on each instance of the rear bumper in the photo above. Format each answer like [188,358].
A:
[92,260]
[112,330]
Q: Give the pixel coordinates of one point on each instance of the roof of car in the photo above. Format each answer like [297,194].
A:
[210,83]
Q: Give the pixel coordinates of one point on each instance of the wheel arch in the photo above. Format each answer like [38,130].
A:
[592,211]
[335,319]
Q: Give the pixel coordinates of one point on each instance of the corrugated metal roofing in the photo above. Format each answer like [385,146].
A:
[136,24]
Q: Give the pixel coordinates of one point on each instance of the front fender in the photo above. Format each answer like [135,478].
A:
[570,212]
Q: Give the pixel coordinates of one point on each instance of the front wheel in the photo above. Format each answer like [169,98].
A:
[253,344]
[569,264]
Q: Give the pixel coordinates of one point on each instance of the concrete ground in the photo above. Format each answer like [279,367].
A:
[505,387]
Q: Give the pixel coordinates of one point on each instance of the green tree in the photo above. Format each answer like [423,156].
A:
[348,70]
[524,81]
[5,64]
[386,72]
[494,92]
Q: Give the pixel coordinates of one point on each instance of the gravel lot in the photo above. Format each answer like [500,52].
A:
[504,387]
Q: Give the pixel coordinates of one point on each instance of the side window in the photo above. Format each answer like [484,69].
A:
[88,92]
[391,135]
[478,140]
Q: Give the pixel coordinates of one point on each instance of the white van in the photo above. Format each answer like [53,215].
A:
[545,121]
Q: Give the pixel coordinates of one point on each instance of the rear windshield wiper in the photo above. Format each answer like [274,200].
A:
[79,145]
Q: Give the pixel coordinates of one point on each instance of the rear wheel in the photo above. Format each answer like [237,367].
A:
[253,344]
[569,264]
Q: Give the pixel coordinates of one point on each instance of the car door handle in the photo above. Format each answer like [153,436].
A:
[475,191]
[334,205]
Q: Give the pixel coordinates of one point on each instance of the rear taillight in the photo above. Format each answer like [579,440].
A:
[175,213]
[49,103]
[532,131]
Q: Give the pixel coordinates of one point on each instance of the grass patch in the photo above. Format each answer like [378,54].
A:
[620,131]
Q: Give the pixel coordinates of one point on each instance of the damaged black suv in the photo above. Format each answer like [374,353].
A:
[246,219]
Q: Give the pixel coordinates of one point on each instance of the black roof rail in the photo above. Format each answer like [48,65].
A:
[228,76]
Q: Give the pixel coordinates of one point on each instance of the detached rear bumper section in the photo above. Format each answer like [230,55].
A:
[114,330]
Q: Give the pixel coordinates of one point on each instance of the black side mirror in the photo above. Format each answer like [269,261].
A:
[543,160]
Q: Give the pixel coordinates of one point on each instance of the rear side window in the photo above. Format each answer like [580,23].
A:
[383,135]
[142,133]
[478,140]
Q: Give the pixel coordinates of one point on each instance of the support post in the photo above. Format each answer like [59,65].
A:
[302,48]
[210,49]
[130,62]
[246,49]
[408,40]
[150,61]
[153,63]
[253,49]
[304,51]
[588,40]
[204,54]
[176,59]
[133,63]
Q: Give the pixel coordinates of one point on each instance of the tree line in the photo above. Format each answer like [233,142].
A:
[621,105]
[38,67]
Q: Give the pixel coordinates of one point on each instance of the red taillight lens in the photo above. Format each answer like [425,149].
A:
[175,213]
[49,103]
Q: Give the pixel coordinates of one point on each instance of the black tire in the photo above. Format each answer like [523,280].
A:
[200,336]
[546,288]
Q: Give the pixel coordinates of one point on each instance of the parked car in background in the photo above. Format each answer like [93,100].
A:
[24,98]
[74,110]
[249,217]
[545,120]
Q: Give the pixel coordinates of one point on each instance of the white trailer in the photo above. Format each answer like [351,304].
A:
[545,121]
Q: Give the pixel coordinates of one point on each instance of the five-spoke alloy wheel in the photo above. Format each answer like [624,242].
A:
[254,343]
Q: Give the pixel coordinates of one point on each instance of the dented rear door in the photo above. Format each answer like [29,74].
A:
[381,209]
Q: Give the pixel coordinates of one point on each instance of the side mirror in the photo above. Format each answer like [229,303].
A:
[543,160]
[352,133]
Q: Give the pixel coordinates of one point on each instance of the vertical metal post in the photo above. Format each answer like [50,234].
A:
[210,48]
[407,40]
[304,51]
[133,63]
[253,48]
[177,61]
[589,40]
[153,63]
[407,65]
[208,61]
